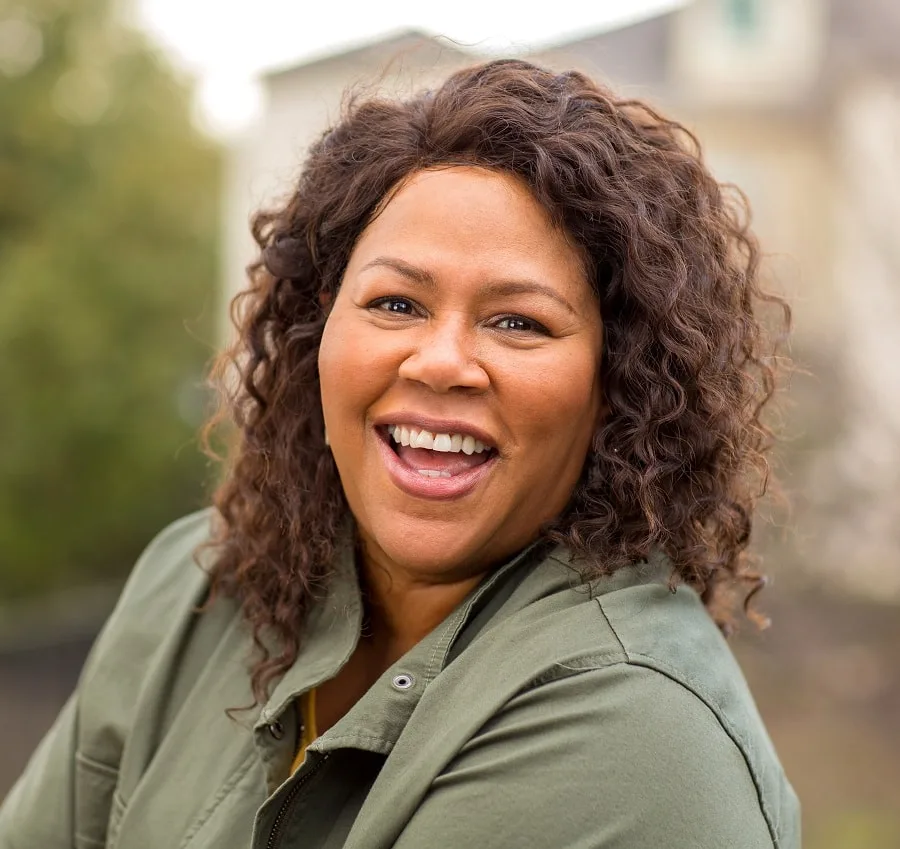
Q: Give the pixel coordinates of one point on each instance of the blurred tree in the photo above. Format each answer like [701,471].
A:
[108,214]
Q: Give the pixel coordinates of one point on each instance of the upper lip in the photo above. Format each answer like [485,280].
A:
[404,417]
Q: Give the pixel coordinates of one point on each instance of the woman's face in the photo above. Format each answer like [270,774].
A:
[464,325]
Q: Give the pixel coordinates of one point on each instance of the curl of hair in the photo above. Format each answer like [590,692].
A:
[679,459]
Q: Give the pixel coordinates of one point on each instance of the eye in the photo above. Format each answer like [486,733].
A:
[394,305]
[520,324]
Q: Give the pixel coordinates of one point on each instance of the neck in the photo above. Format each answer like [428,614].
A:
[403,608]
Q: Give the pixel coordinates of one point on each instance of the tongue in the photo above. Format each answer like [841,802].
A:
[440,461]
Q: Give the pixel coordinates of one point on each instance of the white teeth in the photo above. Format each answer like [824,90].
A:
[444,442]
[433,473]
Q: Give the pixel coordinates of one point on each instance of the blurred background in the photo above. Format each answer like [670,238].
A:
[135,140]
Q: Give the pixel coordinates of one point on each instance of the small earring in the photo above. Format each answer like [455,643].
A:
[326,437]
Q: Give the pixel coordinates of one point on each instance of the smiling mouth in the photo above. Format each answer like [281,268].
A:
[437,454]
[434,465]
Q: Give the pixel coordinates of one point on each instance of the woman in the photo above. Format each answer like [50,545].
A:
[500,381]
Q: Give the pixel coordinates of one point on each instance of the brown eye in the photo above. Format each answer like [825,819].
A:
[398,306]
[520,324]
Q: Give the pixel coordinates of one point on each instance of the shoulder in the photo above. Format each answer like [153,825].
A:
[165,579]
[159,599]
[639,681]
[629,755]
[601,751]
[168,562]
[670,637]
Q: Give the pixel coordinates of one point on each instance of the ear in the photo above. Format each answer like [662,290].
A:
[326,300]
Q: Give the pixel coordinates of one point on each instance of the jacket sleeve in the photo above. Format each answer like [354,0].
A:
[620,757]
[64,798]
[46,789]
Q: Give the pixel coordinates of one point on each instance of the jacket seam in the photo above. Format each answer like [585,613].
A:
[612,630]
[566,563]
[118,801]
[649,662]
[225,789]
[458,624]
[97,766]
[444,641]
[590,662]
[371,738]
[117,809]
[81,839]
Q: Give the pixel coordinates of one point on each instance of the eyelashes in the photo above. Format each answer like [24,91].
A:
[513,323]
[389,303]
[521,324]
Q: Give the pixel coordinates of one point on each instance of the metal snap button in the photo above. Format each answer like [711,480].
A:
[276,729]
[403,681]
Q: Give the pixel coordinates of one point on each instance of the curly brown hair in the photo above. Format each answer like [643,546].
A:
[678,461]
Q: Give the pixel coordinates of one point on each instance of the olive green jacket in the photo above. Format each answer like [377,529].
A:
[539,714]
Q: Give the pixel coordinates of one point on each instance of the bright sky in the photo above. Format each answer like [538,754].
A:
[227,44]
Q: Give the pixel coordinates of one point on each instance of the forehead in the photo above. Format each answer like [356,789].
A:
[470,216]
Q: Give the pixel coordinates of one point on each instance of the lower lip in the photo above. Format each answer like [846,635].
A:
[412,483]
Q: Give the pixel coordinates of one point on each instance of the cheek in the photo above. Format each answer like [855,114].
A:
[562,399]
[339,368]
[352,371]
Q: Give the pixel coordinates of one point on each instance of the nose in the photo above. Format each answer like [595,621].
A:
[444,358]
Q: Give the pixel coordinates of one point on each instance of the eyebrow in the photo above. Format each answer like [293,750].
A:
[500,287]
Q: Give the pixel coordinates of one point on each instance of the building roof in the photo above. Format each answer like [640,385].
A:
[636,54]
[639,55]
[394,43]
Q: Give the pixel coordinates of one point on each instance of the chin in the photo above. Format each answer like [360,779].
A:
[434,555]
[434,548]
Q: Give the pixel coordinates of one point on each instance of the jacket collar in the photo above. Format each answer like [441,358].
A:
[334,626]
[333,631]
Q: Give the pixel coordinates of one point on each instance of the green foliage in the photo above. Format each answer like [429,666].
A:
[108,218]
[851,827]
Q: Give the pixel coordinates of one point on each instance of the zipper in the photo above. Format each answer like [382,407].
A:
[275,833]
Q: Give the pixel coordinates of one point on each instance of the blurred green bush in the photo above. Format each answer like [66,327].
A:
[108,221]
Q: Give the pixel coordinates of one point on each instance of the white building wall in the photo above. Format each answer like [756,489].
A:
[739,53]
[299,105]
